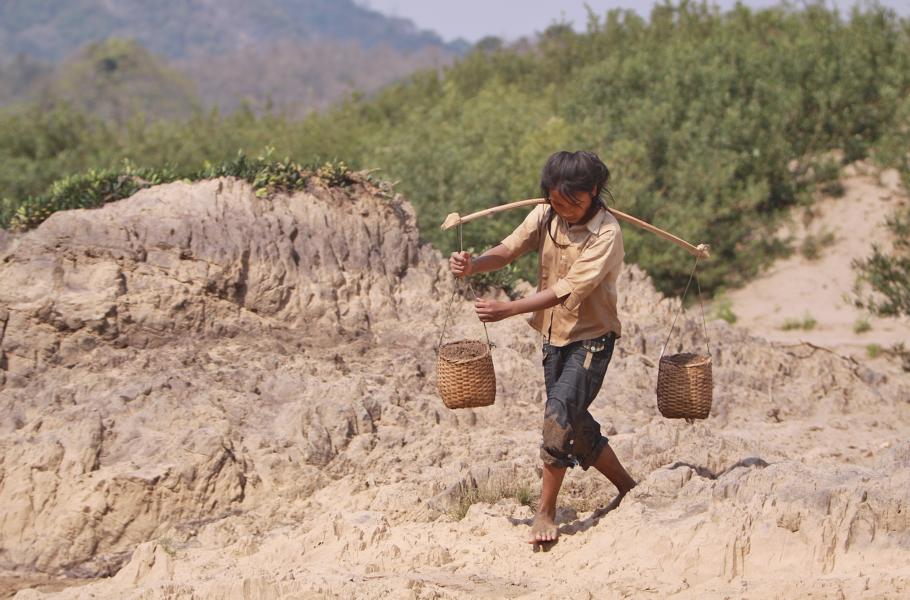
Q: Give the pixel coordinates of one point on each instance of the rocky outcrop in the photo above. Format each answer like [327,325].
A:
[130,335]
[205,393]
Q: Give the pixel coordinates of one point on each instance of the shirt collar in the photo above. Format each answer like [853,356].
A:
[593,224]
[596,221]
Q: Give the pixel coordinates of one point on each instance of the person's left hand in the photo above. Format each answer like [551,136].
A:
[489,311]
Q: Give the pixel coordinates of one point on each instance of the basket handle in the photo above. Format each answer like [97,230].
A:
[452,300]
[681,302]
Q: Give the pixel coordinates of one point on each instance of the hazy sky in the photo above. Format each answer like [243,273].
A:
[511,19]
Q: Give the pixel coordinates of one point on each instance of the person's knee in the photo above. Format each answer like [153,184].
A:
[553,457]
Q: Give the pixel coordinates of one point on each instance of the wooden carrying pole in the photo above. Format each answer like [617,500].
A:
[701,251]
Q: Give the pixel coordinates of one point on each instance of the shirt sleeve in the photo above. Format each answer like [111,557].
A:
[526,236]
[597,259]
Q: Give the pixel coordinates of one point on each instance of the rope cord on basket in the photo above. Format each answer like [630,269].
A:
[681,302]
[452,300]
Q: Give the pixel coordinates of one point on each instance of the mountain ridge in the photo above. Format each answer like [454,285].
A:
[52,29]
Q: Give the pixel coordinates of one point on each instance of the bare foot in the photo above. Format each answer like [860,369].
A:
[543,529]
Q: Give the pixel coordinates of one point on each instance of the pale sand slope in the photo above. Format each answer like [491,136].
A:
[797,287]
[205,394]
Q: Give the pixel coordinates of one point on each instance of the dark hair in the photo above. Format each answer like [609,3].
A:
[572,172]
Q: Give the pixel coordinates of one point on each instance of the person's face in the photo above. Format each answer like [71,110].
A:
[572,210]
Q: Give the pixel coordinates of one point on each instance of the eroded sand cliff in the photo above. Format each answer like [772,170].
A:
[206,394]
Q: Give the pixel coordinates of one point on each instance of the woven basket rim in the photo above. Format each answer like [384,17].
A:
[479,343]
[686,359]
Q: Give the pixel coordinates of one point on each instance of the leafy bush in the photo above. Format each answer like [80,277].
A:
[811,245]
[87,190]
[887,275]
[334,174]
[95,188]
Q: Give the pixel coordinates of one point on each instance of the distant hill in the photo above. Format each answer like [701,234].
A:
[116,79]
[20,77]
[53,29]
[293,56]
[296,78]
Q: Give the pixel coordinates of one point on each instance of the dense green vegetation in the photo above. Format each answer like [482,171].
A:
[709,122]
[97,187]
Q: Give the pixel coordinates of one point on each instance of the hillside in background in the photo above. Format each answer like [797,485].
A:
[117,79]
[715,125]
[296,78]
[21,77]
[289,56]
[53,29]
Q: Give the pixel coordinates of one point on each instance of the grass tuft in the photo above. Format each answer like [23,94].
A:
[490,492]
[723,309]
[807,323]
[861,325]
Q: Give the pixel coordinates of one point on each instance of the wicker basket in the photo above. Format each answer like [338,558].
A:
[684,386]
[464,374]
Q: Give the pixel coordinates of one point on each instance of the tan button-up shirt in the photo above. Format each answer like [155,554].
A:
[582,273]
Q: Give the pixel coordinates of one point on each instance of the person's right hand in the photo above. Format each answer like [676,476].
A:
[460,264]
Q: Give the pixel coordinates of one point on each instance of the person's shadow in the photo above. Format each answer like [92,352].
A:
[569,523]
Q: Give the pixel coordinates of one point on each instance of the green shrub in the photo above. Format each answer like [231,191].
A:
[873,350]
[826,171]
[834,189]
[95,188]
[811,245]
[87,190]
[806,323]
[723,309]
[266,174]
[334,174]
[861,325]
[887,275]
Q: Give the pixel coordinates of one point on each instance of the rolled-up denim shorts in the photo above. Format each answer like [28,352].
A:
[573,375]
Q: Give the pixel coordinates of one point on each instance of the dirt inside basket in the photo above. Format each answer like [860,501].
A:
[463,351]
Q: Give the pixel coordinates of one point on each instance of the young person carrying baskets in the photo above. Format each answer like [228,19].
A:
[580,251]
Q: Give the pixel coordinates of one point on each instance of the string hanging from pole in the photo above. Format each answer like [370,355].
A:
[452,299]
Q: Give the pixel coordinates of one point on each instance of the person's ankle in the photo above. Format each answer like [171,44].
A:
[546,511]
[626,488]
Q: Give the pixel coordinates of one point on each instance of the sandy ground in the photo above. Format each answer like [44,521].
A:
[207,394]
[823,288]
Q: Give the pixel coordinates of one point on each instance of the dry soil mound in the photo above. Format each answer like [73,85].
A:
[206,394]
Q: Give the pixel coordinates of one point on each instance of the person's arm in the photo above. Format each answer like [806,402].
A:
[497,310]
[497,257]
[462,264]
[521,241]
